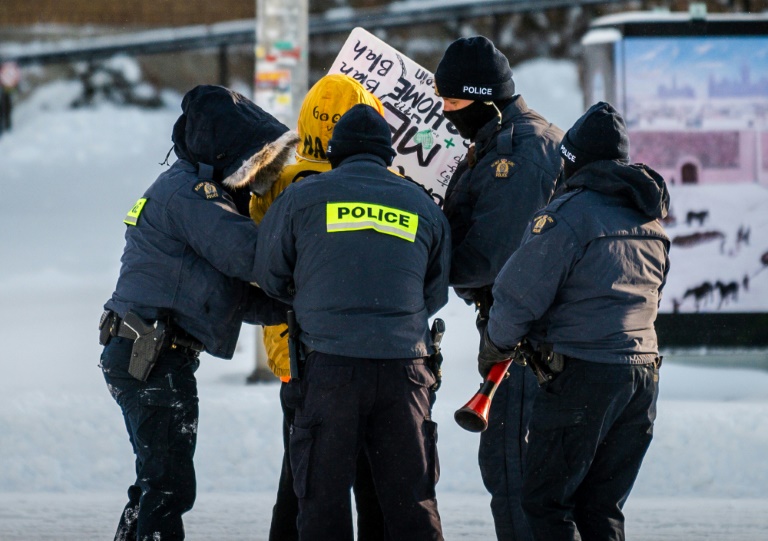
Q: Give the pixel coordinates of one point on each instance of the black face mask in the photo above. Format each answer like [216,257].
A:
[468,120]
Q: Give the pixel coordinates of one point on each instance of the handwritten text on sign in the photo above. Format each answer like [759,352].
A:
[428,146]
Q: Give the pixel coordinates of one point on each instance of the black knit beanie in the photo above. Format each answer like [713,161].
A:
[600,134]
[360,130]
[473,69]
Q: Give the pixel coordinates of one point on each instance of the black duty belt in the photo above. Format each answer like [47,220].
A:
[176,338]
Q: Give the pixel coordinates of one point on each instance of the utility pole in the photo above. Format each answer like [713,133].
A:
[280,84]
[282,36]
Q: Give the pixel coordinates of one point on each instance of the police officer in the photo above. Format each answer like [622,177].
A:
[325,103]
[184,288]
[584,287]
[510,172]
[363,255]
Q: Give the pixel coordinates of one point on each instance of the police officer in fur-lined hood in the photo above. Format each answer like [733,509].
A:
[362,254]
[584,288]
[185,287]
[509,173]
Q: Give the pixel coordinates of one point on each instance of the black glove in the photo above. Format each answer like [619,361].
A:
[490,355]
[523,353]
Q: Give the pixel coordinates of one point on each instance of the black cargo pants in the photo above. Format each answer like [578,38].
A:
[382,408]
[503,446]
[589,432]
[503,449]
[161,417]
[370,521]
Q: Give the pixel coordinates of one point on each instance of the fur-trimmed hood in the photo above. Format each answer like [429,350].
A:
[261,170]
[245,145]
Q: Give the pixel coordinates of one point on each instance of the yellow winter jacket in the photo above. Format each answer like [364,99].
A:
[322,107]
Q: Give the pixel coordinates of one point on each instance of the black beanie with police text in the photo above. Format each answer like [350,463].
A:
[361,130]
[600,134]
[474,69]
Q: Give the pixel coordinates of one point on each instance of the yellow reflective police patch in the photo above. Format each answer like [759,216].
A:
[208,189]
[357,216]
[132,218]
[542,223]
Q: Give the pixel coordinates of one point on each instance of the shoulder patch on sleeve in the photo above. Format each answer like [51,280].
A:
[541,223]
[207,190]
[503,167]
[132,218]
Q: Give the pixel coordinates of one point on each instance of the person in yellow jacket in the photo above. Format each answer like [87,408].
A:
[322,107]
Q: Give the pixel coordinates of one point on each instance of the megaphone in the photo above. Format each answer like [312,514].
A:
[474,415]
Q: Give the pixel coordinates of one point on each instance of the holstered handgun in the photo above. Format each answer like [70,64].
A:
[294,346]
[435,361]
[147,344]
[546,364]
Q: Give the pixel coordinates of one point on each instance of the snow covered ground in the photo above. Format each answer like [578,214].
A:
[68,177]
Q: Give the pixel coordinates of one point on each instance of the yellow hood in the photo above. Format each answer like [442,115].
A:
[329,98]
[332,96]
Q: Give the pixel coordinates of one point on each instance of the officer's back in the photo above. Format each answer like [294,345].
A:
[368,293]
[362,255]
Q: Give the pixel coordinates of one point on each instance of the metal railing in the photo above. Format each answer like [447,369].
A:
[225,34]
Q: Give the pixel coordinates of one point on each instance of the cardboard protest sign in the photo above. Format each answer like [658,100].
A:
[428,146]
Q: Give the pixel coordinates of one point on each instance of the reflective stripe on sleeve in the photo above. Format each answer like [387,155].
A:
[133,215]
[357,216]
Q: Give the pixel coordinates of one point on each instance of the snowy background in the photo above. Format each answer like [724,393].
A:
[68,178]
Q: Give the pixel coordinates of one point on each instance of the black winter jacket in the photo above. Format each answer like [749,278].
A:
[363,256]
[190,259]
[189,254]
[491,199]
[589,274]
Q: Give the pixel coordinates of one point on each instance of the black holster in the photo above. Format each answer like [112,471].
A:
[148,340]
[107,327]
[546,364]
[435,361]
[147,344]
[295,349]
